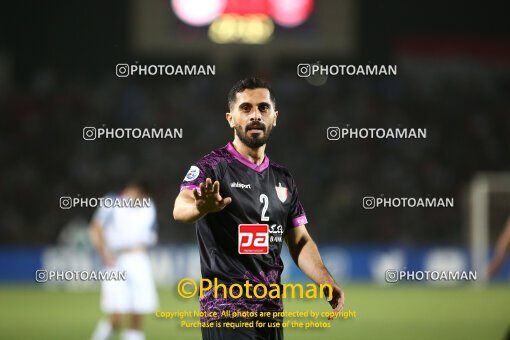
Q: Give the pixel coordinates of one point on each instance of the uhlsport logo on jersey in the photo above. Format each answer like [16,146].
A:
[281,192]
[240,185]
[253,239]
[192,174]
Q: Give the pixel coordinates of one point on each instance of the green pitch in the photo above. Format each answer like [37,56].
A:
[396,312]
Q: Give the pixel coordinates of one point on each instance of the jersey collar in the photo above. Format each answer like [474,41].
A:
[259,168]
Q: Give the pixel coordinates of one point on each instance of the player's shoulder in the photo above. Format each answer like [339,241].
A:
[277,167]
[111,195]
[215,157]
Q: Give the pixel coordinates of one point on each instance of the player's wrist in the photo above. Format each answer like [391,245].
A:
[201,210]
[329,280]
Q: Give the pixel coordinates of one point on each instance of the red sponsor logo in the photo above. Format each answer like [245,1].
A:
[253,239]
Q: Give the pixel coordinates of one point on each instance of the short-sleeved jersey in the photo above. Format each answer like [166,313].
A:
[126,227]
[261,194]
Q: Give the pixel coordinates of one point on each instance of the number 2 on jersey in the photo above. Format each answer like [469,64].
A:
[265,203]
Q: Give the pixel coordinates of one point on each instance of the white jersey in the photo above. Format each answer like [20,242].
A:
[125,228]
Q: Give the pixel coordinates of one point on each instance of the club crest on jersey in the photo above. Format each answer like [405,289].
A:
[281,192]
[192,174]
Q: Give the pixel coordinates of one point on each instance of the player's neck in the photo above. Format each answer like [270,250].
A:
[255,156]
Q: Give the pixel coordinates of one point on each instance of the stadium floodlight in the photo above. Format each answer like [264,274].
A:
[198,12]
[482,186]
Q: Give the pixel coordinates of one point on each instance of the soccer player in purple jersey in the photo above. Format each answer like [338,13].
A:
[238,184]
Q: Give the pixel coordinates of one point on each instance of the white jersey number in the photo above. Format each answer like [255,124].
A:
[265,203]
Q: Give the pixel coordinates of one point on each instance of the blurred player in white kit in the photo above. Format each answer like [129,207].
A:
[121,235]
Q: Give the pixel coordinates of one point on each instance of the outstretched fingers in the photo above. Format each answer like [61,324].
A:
[216,187]
[226,201]
[196,194]
[210,191]
[208,186]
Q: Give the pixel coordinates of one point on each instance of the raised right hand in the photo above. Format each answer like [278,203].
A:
[208,198]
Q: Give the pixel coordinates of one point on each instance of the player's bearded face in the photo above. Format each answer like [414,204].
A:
[253,117]
[254,134]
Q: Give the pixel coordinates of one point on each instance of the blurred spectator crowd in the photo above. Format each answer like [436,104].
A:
[466,114]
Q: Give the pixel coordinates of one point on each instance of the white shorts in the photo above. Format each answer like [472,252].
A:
[137,294]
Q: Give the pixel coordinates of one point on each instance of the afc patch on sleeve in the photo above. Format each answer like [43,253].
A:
[192,174]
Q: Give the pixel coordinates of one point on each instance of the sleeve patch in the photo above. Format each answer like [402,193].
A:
[192,174]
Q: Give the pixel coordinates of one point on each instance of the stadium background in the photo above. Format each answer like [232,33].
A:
[57,75]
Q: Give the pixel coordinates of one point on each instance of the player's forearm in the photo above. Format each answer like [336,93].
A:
[308,259]
[185,211]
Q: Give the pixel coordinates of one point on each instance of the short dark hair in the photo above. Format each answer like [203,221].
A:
[142,184]
[249,83]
